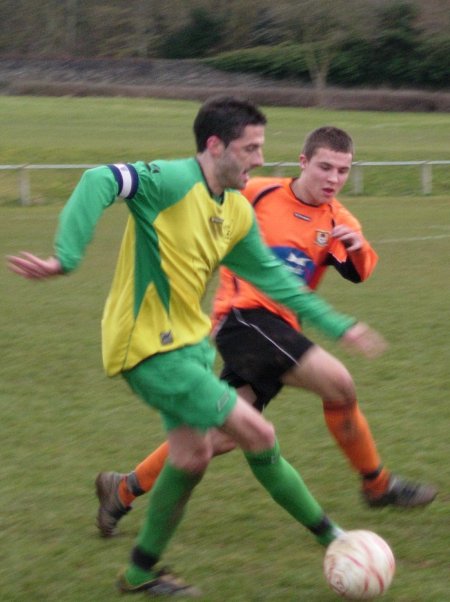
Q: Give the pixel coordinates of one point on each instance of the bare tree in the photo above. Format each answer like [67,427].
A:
[434,16]
[321,27]
[71,25]
[138,27]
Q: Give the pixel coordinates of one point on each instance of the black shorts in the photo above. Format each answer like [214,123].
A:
[257,348]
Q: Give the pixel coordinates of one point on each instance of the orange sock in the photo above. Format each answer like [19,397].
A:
[144,475]
[349,427]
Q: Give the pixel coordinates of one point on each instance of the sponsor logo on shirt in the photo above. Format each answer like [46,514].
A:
[297,261]
[305,218]
[222,401]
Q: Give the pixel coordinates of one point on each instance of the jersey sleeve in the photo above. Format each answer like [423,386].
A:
[355,266]
[97,189]
[252,260]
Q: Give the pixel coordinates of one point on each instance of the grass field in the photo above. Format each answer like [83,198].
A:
[63,421]
[99,130]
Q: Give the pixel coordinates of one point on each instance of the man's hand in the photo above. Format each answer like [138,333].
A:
[351,239]
[32,267]
[363,339]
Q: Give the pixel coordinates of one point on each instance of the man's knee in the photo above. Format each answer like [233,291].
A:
[192,461]
[249,429]
[260,436]
[190,455]
[345,387]
[337,385]
[342,393]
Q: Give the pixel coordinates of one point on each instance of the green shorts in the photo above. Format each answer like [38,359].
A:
[181,384]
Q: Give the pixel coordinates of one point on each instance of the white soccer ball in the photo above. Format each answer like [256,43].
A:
[359,565]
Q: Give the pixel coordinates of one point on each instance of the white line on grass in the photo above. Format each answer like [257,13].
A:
[411,239]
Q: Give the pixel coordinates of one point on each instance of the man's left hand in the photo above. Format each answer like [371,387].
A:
[351,239]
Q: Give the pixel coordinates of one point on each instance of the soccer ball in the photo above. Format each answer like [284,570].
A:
[359,565]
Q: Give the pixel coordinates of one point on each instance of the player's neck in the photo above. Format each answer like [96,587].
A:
[300,192]
[207,168]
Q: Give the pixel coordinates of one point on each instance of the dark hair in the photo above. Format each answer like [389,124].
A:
[225,117]
[327,137]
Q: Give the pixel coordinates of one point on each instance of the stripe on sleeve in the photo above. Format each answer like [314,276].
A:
[127,179]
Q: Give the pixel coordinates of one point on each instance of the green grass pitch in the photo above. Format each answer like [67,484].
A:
[62,421]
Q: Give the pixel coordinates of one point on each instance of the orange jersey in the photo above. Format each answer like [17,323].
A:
[300,235]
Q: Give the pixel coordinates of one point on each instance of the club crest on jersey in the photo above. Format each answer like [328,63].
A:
[322,237]
[218,227]
[166,338]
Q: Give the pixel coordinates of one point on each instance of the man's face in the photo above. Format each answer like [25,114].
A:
[237,159]
[324,175]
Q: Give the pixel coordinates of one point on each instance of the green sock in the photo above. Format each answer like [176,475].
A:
[287,488]
[166,505]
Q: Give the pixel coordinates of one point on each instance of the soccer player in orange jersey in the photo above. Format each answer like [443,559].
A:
[261,341]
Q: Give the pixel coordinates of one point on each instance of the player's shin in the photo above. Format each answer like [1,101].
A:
[143,477]
[166,507]
[351,431]
[287,488]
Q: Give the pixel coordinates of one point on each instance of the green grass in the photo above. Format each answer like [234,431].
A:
[63,421]
[99,130]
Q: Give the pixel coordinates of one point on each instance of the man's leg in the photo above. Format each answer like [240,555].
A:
[257,439]
[191,400]
[189,454]
[116,492]
[143,477]
[322,373]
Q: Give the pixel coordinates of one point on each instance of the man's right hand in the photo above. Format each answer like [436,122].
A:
[363,339]
[32,267]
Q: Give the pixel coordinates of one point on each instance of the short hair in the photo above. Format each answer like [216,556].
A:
[329,137]
[225,117]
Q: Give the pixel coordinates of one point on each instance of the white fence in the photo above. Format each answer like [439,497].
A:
[357,173]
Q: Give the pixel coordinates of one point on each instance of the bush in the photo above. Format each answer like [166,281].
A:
[282,61]
[196,39]
[434,62]
[353,65]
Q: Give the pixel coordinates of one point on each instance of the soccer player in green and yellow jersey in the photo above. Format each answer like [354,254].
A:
[186,218]
[261,342]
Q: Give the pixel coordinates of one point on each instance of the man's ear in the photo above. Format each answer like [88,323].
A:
[302,161]
[215,145]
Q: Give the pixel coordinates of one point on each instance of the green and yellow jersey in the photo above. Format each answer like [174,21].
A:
[177,233]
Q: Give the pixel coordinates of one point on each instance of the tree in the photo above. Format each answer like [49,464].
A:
[321,28]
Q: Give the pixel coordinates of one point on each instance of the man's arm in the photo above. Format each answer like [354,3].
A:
[96,190]
[350,253]
[252,260]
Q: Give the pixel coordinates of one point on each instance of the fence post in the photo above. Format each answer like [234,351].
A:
[427,178]
[357,179]
[24,186]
